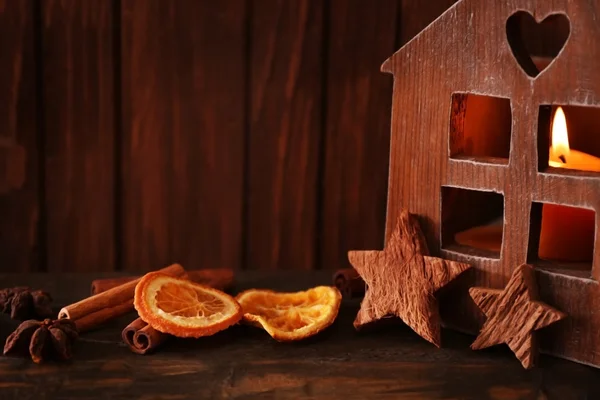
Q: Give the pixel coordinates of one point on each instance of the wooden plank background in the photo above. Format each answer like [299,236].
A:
[78,105]
[182,135]
[286,106]
[236,133]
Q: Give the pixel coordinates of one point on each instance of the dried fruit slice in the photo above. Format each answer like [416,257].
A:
[291,316]
[183,308]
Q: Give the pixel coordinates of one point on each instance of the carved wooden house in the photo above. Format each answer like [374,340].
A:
[474,107]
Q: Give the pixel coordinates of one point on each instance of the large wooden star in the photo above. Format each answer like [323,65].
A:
[513,315]
[402,279]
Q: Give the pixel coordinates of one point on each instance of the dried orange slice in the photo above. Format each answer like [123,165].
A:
[183,308]
[291,316]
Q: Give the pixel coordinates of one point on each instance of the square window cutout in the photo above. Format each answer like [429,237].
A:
[569,139]
[472,222]
[480,128]
[561,238]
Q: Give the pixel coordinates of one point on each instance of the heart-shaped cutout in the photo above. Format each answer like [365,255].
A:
[536,44]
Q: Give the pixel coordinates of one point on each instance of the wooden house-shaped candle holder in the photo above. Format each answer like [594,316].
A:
[472,120]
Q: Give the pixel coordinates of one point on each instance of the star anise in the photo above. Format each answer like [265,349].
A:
[42,339]
[23,303]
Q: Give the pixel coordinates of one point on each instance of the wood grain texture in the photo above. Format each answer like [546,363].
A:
[243,362]
[467,51]
[79,103]
[19,182]
[402,280]
[183,127]
[558,288]
[361,35]
[513,315]
[284,137]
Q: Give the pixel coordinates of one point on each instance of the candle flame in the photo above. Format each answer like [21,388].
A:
[560,150]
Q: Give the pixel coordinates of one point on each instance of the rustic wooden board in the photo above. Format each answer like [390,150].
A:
[467,50]
[386,362]
[20,247]
[285,133]
[79,106]
[362,35]
[183,133]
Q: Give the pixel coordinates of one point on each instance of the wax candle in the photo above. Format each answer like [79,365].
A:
[567,233]
[486,237]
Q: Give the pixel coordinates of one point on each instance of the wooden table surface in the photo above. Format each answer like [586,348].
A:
[244,362]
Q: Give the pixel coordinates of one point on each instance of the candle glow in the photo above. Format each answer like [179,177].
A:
[561,155]
[560,150]
[555,243]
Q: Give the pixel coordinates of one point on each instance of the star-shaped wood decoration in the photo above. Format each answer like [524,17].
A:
[402,279]
[513,315]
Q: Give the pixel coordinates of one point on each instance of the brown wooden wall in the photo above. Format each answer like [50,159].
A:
[243,133]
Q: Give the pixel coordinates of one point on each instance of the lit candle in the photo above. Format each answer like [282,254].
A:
[567,233]
[561,155]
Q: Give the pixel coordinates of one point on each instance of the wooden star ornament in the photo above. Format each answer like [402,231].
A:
[513,315]
[402,279]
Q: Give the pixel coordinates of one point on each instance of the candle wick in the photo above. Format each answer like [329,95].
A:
[563,159]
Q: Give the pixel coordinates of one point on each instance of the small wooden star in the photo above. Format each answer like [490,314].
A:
[513,315]
[402,279]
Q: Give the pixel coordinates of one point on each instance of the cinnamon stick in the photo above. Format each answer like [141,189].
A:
[100,308]
[141,338]
[349,283]
[221,278]
[102,285]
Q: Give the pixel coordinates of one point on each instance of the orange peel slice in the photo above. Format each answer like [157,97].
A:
[291,316]
[183,308]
